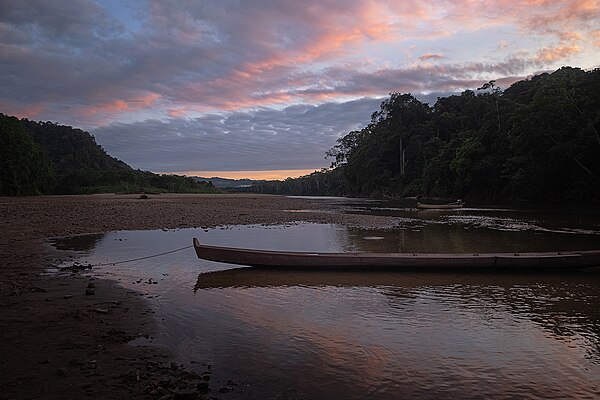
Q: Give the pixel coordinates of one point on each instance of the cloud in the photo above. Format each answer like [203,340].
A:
[295,137]
[174,85]
[557,53]
[27,111]
[551,16]
[92,67]
[431,56]
[70,23]
[595,36]
[119,106]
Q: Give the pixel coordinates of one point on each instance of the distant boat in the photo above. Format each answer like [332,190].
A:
[449,261]
[430,206]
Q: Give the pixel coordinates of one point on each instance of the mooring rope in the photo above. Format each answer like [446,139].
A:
[143,258]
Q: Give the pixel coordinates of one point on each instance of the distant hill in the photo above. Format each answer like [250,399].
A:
[71,148]
[226,183]
[47,158]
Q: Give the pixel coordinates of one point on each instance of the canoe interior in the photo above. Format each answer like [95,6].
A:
[284,259]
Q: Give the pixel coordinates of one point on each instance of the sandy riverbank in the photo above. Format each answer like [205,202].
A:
[56,341]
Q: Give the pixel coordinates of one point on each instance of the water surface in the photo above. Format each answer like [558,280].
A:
[385,335]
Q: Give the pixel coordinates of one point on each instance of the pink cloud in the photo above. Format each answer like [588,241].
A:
[346,82]
[551,54]
[431,56]
[558,17]
[178,112]
[595,36]
[26,111]
[205,56]
[106,111]
[336,31]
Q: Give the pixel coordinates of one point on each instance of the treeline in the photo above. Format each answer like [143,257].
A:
[46,158]
[538,140]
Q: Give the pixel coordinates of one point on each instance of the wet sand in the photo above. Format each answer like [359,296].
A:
[57,342]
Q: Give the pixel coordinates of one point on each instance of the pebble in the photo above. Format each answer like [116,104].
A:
[91,285]
[184,395]
[62,372]
[68,296]
[164,392]
[89,291]
[101,311]
[75,362]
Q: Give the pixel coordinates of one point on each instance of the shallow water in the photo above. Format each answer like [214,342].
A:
[385,335]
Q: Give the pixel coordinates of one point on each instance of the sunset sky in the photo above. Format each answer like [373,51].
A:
[228,86]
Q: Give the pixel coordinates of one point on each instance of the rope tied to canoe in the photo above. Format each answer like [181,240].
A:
[132,259]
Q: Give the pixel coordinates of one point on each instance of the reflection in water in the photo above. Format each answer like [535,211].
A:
[441,238]
[561,303]
[82,243]
[471,230]
[425,335]
[356,335]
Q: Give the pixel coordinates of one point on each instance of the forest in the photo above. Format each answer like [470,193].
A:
[47,158]
[536,141]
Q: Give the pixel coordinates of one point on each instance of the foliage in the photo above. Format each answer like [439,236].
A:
[24,168]
[325,183]
[536,141]
[43,157]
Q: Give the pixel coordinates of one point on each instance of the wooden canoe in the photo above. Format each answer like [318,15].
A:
[439,206]
[360,260]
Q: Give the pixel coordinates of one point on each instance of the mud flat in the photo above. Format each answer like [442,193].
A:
[65,336]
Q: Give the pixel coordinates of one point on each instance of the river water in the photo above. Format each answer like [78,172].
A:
[384,335]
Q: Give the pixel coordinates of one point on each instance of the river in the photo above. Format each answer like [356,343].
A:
[384,335]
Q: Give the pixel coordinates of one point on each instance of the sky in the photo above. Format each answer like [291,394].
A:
[259,88]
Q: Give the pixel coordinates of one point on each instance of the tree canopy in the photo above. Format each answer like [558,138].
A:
[536,141]
[47,158]
[25,168]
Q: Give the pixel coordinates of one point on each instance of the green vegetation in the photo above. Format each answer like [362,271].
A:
[536,141]
[25,169]
[46,158]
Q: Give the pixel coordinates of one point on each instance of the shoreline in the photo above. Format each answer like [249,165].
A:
[60,342]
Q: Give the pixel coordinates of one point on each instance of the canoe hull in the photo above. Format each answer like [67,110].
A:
[448,206]
[279,259]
